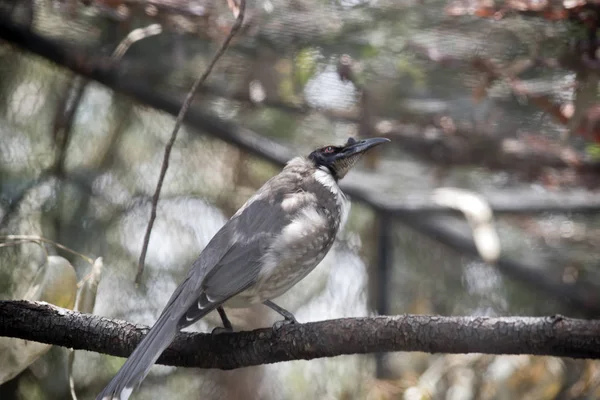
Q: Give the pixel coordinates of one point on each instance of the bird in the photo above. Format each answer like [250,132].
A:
[271,243]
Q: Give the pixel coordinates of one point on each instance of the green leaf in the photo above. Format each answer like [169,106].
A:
[593,151]
[306,65]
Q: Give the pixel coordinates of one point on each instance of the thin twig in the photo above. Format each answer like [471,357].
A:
[18,243]
[134,36]
[26,241]
[184,108]
[37,239]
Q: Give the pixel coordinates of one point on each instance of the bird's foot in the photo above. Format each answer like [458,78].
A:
[219,330]
[289,320]
[289,317]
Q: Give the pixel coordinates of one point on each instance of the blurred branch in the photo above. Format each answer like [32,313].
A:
[301,108]
[13,206]
[478,214]
[553,336]
[529,155]
[505,201]
[100,69]
[183,8]
[178,121]
[41,239]
[67,105]
[382,277]
[585,298]
[135,36]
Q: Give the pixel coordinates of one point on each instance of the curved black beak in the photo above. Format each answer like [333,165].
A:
[354,147]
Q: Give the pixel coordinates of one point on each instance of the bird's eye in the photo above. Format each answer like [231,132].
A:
[328,150]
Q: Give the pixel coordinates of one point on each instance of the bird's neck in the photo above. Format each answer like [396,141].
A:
[323,176]
[306,169]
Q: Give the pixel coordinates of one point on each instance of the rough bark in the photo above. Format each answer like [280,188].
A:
[555,336]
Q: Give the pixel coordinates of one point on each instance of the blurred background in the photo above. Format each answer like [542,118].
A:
[497,98]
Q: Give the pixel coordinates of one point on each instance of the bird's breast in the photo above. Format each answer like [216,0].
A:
[298,250]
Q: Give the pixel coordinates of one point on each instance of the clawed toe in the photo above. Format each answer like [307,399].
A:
[280,324]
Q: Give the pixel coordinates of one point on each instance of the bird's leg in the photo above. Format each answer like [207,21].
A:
[289,317]
[226,323]
[227,327]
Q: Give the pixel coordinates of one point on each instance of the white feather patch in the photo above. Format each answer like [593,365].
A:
[126,393]
[307,223]
[294,201]
[323,176]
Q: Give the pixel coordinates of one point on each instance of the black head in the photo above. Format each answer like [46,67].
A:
[340,159]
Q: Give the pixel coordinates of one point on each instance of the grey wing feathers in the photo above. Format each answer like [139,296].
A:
[246,238]
[254,231]
[236,271]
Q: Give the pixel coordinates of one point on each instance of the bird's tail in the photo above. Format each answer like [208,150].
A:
[137,366]
[135,369]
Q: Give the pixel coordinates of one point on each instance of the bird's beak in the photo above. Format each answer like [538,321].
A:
[345,159]
[361,146]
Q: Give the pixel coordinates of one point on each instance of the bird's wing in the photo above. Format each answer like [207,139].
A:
[250,235]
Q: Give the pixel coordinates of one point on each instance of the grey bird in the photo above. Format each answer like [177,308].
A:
[270,244]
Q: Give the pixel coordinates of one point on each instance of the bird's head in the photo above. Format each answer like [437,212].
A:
[340,159]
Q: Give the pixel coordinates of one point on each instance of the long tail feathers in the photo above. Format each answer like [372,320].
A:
[137,366]
[179,313]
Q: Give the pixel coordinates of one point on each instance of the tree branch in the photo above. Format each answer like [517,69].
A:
[552,336]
